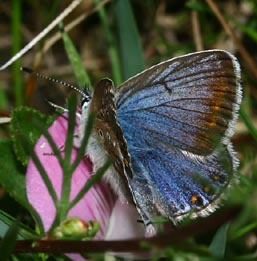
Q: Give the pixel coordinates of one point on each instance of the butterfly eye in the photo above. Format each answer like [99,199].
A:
[85,100]
[86,97]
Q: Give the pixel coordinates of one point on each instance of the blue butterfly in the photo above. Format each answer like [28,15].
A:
[168,133]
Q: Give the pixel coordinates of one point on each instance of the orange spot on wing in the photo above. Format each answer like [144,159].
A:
[207,189]
[215,177]
[194,199]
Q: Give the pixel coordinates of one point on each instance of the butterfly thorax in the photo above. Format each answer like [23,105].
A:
[106,140]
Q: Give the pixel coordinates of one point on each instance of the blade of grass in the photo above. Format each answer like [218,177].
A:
[3,97]
[43,173]
[16,45]
[94,178]
[61,205]
[42,34]
[81,151]
[67,163]
[248,123]
[40,167]
[244,231]
[72,105]
[131,54]
[6,221]
[76,63]
[41,170]
[218,244]
[8,242]
[47,182]
[112,48]
[49,12]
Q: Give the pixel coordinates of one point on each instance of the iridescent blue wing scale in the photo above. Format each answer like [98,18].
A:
[177,118]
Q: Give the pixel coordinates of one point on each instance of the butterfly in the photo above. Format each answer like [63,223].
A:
[167,131]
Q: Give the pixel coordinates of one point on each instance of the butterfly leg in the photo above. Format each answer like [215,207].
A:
[150,228]
[142,196]
[61,149]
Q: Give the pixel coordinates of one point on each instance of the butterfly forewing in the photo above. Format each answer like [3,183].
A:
[187,102]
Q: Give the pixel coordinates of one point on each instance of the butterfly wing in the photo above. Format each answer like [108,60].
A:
[188,101]
[177,118]
[171,182]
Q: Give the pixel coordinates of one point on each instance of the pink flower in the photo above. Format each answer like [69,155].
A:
[117,220]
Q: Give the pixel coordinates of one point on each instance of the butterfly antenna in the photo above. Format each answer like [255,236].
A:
[85,94]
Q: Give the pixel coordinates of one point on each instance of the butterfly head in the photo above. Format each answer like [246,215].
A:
[86,97]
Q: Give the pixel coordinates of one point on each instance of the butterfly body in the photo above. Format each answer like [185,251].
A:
[107,141]
[168,132]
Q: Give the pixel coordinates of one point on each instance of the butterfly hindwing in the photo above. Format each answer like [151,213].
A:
[177,182]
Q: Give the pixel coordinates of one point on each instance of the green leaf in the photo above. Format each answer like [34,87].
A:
[11,173]
[218,244]
[132,60]
[8,241]
[12,178]
[76,63]
[20,127]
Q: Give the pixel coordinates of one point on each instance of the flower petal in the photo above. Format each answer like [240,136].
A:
[97,204]
[124,223]
[118,220]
